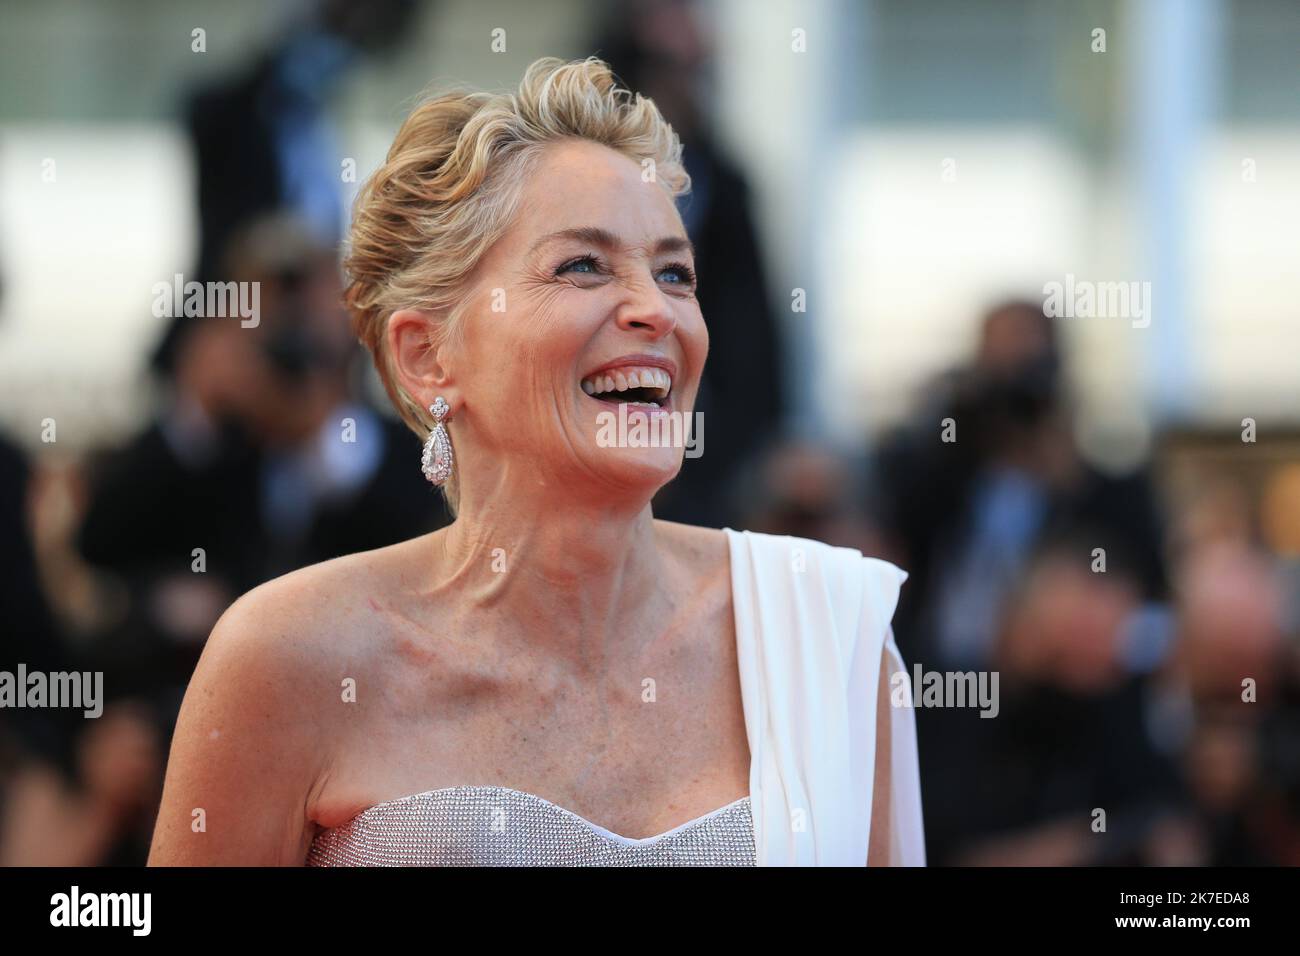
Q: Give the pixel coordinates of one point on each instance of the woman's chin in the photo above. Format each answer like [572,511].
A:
[634,448]
[638,470]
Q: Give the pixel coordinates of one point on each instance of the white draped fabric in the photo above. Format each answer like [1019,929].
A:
[812,629]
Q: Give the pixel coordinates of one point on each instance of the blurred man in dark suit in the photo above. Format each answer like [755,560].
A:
[263,140]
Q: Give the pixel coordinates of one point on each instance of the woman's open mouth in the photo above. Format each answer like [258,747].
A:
[634,385]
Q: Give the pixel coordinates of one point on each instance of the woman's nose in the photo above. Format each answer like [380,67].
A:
[646,309]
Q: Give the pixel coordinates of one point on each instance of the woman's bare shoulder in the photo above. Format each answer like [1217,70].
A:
[314,618]
[708,544]
[255,737]
[703,555]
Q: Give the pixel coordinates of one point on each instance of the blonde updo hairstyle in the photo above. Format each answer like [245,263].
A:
[451,185]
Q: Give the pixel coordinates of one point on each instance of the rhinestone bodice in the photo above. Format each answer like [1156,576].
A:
[497,826]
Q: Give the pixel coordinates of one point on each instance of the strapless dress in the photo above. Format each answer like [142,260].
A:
[498,826]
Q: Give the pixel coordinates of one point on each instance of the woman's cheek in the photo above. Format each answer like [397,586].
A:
[698,336]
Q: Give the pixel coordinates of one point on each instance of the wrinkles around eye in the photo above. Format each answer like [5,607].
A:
[573,270]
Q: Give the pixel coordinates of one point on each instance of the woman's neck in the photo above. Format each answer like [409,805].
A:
[585,575]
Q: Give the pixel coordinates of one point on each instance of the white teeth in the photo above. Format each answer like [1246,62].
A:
[620,380]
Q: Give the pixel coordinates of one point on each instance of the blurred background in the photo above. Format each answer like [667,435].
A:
[1104,510]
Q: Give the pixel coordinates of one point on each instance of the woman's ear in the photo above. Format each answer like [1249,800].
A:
[420,366]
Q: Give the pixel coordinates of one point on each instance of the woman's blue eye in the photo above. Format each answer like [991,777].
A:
[683,273]
[573,266]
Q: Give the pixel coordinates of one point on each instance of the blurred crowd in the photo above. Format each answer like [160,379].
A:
[1146,637]
[1147,641]
[1148,644]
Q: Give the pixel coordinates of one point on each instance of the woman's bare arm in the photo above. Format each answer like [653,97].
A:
[246,755]
[878,845]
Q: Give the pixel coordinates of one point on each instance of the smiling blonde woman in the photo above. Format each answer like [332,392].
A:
[556,678]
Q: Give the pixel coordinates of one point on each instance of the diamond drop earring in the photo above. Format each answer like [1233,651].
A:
[437,460]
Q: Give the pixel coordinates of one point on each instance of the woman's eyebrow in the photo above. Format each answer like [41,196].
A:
[605,239]
[674,244]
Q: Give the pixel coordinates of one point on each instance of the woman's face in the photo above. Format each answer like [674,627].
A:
[590,292]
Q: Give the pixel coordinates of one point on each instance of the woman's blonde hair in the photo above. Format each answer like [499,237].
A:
[450,187]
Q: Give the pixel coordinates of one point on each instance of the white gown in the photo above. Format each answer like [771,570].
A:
[811,624]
